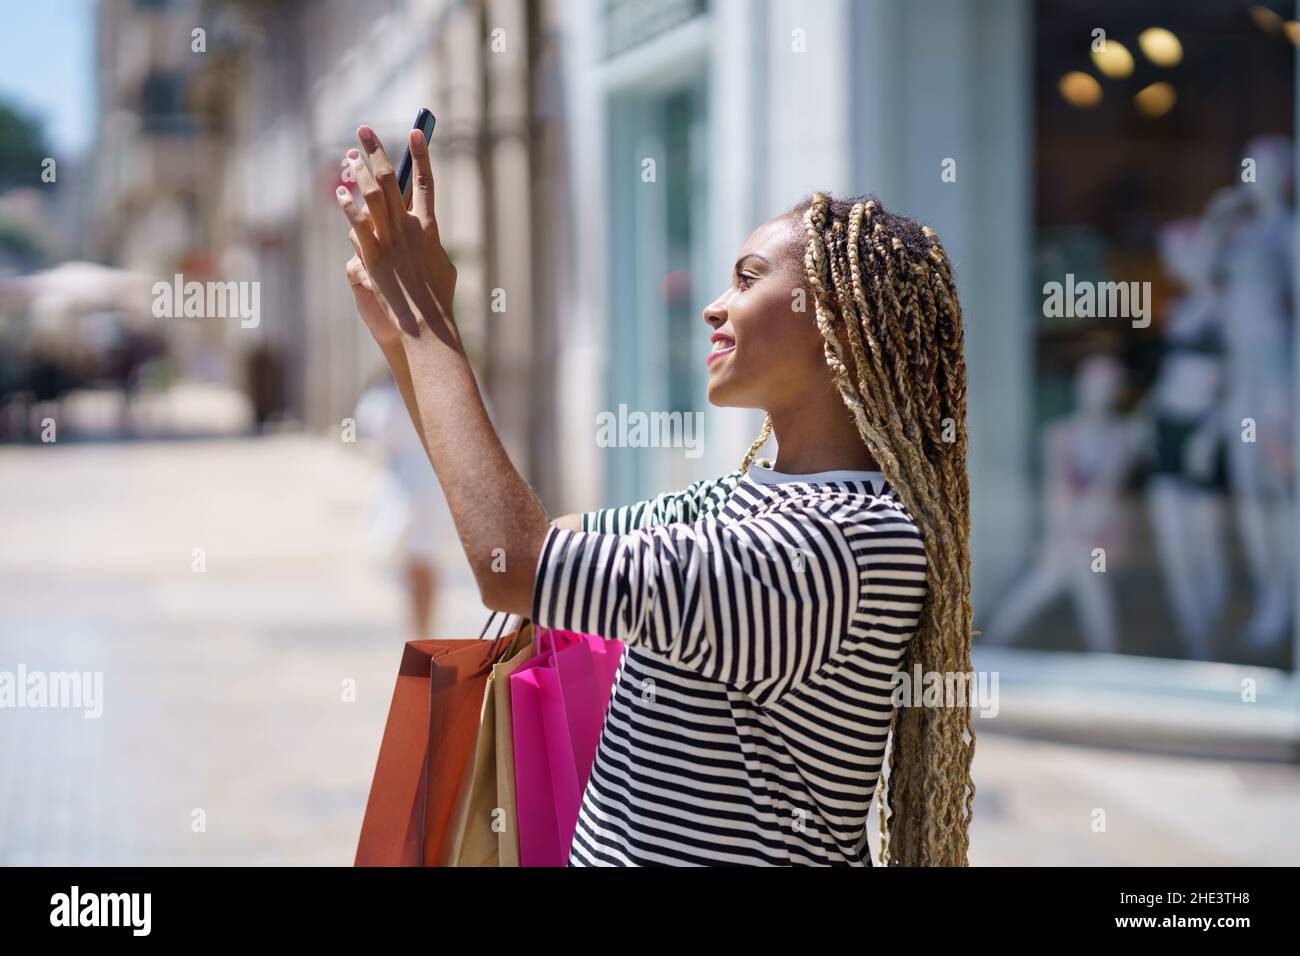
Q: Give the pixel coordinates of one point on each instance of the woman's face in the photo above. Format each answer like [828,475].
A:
[767,349]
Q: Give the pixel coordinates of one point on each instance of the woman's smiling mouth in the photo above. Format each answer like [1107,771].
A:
[722,345]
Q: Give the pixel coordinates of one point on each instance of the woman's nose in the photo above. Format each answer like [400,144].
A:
[715,314]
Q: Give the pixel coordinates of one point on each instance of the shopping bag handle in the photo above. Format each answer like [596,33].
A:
[488,623]
[498,642]
[554,654]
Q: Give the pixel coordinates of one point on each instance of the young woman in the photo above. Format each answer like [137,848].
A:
[765,611]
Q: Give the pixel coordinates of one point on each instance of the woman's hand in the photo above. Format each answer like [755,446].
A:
[369,306]
[404,272]
[411,278]
[382,326]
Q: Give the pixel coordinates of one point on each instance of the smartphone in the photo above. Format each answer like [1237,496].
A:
[424,121]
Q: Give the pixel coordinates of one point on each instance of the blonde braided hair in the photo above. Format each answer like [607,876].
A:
[883,283]
[759,442]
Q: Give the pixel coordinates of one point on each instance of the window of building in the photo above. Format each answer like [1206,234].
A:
[1165,350]
[656,367]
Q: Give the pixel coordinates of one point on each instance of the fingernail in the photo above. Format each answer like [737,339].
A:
[354,154]
[342,192]
[367,136]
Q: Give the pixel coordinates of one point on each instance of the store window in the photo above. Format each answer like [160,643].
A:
[1165,350]
[658,198]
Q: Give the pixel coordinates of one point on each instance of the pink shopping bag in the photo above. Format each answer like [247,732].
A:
[559,700]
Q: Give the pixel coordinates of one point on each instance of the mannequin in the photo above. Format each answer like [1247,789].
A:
[1185,492]
[1086,456]
[1256,259]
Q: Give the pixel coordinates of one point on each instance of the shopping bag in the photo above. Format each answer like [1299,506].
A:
[482,820]
[559,699]
[431,727]
[508,838]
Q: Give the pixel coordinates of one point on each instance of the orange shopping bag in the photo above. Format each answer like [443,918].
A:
[433,722]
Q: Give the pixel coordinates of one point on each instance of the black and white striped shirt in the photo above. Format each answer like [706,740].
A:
[764,617]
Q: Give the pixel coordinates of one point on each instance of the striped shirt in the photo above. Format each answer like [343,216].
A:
[764,616]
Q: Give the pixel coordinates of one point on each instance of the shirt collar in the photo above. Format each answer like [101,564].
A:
[766,476]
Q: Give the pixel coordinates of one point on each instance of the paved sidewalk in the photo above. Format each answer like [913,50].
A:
[223,689]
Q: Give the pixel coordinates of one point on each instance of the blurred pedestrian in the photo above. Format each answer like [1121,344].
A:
[411,517]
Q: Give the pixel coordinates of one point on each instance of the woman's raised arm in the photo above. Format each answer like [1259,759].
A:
[500,522]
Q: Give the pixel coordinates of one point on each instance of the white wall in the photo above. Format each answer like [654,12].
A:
[940,79]
[581,332]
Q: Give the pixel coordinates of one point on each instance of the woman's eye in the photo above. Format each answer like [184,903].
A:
[745,280]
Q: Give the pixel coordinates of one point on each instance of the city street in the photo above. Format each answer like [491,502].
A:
[224,688]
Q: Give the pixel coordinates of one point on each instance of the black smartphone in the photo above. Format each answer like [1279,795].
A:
[424,121]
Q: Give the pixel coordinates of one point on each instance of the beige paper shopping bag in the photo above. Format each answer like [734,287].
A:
[482,829]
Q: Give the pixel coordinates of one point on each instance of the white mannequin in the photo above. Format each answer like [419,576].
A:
[1186,434]
[1257,263]
[1086,456]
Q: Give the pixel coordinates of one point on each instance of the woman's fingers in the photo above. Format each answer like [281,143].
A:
[356,247]
[362,234]
[382,169]
[370,305]
[422,193]
[399,259]
[357,274]
[387,286]
[375,204]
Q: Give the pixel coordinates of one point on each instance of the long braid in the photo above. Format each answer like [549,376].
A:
[759,442]
[885,284]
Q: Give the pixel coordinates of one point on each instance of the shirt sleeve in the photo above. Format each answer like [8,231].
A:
[667,508]
[759,604]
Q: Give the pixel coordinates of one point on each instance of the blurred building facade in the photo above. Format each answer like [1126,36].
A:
[239,183]
[956,113]
[153,208]
[599,163]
